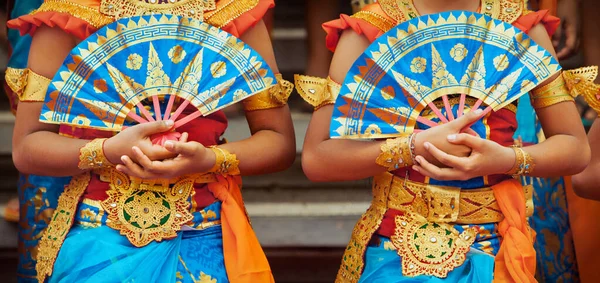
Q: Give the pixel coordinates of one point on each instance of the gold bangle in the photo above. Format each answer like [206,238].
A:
[395,153]
[524,164]
[316,91]
[91,155]
[550,94]
[274,97]
[226,163]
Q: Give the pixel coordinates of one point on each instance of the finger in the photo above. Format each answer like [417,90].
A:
[557,37]
[150,128]
[145,162]
[432,171]
[446,159]
[470,132]
[131,168]
[466,139]
[183,148]
[467,119]
[184,137]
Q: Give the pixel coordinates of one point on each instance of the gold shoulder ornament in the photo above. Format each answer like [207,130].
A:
[318,92]
[581,82]
[28,85]
[274,97]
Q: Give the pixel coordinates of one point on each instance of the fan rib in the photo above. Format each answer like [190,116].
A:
[461,106]
[136,117]
[145,112]
[157,113]
[180,109]
[426,121]
[188,118]
[437,112]
[169,107]
[448,108]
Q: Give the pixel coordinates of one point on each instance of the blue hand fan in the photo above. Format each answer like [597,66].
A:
[431,57]
[151,68]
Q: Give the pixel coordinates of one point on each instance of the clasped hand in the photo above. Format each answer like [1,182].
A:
[485,158]
[136,155]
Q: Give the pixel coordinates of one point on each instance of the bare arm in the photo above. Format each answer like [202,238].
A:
[325,159]
[272,146]
[565,151]
[587,183]
[37,147]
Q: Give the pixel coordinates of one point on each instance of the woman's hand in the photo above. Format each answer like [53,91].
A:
[138,136]
[191,158]
[437,136]
[487,158]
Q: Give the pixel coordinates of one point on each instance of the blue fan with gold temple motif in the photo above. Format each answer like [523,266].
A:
[151,68]
[424,71]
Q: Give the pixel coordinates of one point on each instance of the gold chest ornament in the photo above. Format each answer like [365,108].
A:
[128,8]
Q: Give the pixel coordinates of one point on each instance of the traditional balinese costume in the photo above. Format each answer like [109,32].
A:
[96,233]
[389,244]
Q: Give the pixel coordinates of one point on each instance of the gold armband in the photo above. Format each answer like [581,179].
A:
[28,85]
[396,153]
[226,163]
[91,155]
[318,92]
[524,163]
[274,97]
[552,93]
[581,82]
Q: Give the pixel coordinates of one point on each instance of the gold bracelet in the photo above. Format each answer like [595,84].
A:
[274,97]
[226,163]
[550,94]
[91,155]
[524,163]
[318,92]
[395,154]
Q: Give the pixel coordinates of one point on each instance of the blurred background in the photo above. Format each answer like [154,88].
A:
[303,226]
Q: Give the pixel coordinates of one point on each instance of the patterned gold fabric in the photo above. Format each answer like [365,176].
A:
[581,82]
[550,94]
[318,92]
[375,19]
[228,10]
[28,85]
[90,15]
[434,204]
[274,97]
[91,155]
[119,9]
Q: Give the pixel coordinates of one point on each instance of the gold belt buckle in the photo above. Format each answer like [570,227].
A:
[442,203]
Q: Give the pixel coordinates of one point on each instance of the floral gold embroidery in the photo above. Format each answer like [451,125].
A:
[59,226]
[373,129]
[128,8]
[501,62]
[418,65]
[429,248]
[177,54]
[87,14]
[218,69]
[134,61]
[459,52]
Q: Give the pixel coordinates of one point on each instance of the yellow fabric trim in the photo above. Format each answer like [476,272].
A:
[550,94]
[375,19]
[90,15]
[59,226]
[273,97]
[227,12]
[316,91]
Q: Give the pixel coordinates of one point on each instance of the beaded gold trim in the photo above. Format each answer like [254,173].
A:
[551,93]
[59,226]
[395,153]
[229,10]
[274,97]
[128,8]
[90,15]
[318,92]
[581,82]
[226,163]
[429,248]
[91,155]
[505,10]
[375,19]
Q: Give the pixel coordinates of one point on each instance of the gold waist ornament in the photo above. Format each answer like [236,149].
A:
[146,211]
[428,210]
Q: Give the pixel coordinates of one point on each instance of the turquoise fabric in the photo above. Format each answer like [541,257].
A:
[93,252]
[383,266]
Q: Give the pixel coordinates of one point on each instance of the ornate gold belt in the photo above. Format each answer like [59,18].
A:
[442,204]
[146,211]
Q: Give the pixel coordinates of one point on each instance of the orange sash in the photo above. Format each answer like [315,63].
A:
[515,261]
[245,260]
